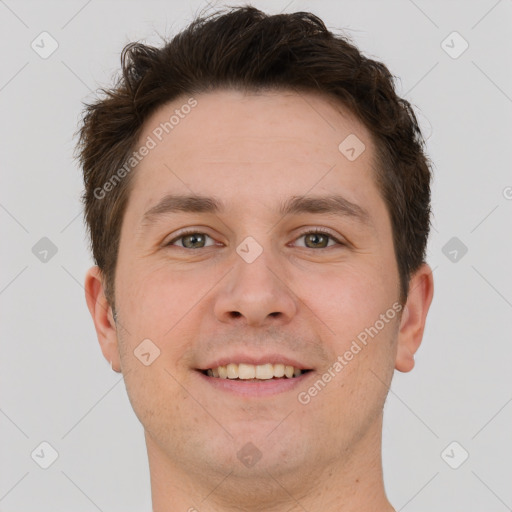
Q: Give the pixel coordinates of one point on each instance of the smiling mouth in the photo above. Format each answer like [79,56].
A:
[251,372]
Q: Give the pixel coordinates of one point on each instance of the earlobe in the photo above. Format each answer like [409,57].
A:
[101,313]
[412,322]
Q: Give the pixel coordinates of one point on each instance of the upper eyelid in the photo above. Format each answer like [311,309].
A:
[306,231]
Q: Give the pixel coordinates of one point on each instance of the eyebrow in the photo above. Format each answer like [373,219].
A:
[331,204]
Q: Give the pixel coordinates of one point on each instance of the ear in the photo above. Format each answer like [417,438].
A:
[414,315]
[102,316]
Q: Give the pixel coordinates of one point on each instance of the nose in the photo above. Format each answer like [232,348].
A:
[256,294]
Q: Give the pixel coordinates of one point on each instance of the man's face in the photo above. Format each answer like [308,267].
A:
[257,286]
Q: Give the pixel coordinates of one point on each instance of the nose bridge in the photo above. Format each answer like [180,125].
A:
[256,289]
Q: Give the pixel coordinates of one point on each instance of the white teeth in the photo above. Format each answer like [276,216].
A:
[288,371]
[245,371]
[279,370]
[264,371]
[232,370]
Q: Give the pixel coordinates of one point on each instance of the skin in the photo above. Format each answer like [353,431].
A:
[305,298]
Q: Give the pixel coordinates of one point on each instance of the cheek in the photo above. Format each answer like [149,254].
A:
[155,301]
[348,300]
[356,308]
[153,307]
[157,399]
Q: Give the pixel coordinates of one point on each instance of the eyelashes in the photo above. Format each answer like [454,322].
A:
[325,234]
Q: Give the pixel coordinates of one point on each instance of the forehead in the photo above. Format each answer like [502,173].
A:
[223,120]
[253,147]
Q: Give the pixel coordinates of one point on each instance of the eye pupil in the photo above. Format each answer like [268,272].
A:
[313,240]
[194,237]
[315,237]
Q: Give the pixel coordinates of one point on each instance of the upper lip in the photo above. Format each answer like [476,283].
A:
[239,358]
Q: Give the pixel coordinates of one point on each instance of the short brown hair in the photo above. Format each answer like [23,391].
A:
[243,48]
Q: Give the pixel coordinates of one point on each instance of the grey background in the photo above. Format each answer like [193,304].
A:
[55,385]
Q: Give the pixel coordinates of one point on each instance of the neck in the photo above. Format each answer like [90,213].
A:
[350,483]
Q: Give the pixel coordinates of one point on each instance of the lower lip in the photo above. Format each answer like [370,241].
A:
[255,389]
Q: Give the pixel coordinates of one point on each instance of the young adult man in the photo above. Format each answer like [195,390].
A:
[258,201]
